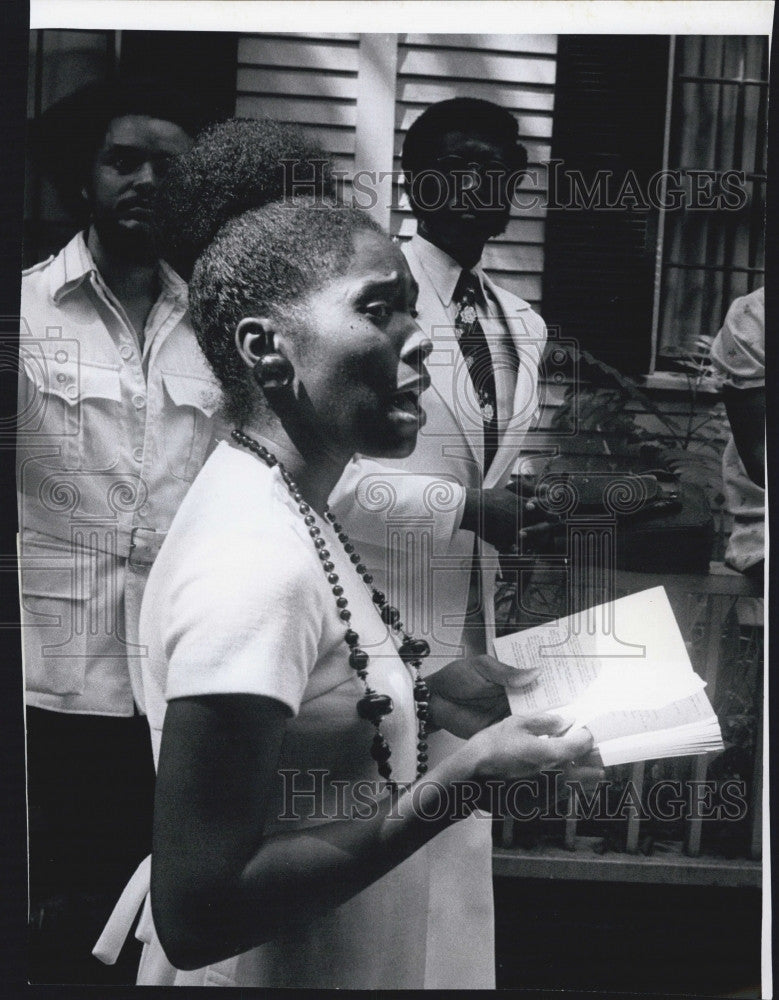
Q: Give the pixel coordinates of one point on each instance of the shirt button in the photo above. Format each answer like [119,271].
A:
[126,351]
[138,454]
[61,356]
[71,391]
[139,401]
[61,377]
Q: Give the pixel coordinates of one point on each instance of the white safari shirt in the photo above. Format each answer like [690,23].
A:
[109,440]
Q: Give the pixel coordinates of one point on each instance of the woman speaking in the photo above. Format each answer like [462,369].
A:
[288,714]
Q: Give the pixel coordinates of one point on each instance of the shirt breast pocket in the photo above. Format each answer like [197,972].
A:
[73,406]
[191,403]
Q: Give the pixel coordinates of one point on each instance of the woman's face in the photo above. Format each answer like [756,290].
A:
[359,367]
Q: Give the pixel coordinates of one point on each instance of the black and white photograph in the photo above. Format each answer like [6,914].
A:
[390,438]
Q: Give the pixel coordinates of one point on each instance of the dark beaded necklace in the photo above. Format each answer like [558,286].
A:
[373,706]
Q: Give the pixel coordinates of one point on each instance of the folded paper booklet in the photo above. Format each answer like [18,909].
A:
[622,670]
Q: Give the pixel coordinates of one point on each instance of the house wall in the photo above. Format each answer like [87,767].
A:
[344,88]
[357,96]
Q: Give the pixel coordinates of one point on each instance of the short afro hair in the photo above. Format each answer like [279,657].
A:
[69,133]
[235,166]
[264,263]
[422,144]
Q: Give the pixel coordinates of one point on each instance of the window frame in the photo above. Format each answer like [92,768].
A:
[660,375]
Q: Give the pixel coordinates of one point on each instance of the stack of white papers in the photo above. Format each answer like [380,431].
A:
[622,670]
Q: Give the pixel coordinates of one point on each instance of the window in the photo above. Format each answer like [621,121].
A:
[638,274]
[717,129]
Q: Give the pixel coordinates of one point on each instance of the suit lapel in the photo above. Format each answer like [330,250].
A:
[514,429]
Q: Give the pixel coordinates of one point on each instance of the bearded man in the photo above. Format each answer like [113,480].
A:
[117,410]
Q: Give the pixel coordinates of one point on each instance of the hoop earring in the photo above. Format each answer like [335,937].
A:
[273,371]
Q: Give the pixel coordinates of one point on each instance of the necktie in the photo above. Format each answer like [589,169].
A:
[476,353]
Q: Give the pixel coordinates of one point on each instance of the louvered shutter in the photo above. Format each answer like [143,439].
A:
[599,269]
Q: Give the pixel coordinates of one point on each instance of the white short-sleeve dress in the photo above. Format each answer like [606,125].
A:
[237,602]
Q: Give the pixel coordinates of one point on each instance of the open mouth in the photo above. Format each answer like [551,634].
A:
[408,402]
[405,402]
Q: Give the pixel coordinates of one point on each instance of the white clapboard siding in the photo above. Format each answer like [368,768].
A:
[418,91]
[320,53]
[309,80]
[530,256]
[526,286]
[518,73]
[470,63]
[313,80]
[310,110]
[291,82]
[545,45]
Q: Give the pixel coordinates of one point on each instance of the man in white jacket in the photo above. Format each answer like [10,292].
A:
[428,525]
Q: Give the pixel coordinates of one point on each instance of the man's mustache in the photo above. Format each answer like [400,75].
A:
[135,202]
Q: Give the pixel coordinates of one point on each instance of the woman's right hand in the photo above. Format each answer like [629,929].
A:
[219,887]
[521,746]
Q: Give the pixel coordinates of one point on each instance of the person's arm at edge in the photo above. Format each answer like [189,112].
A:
[746,414]
[219,887]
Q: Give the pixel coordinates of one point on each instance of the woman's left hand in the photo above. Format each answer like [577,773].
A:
[469,694]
